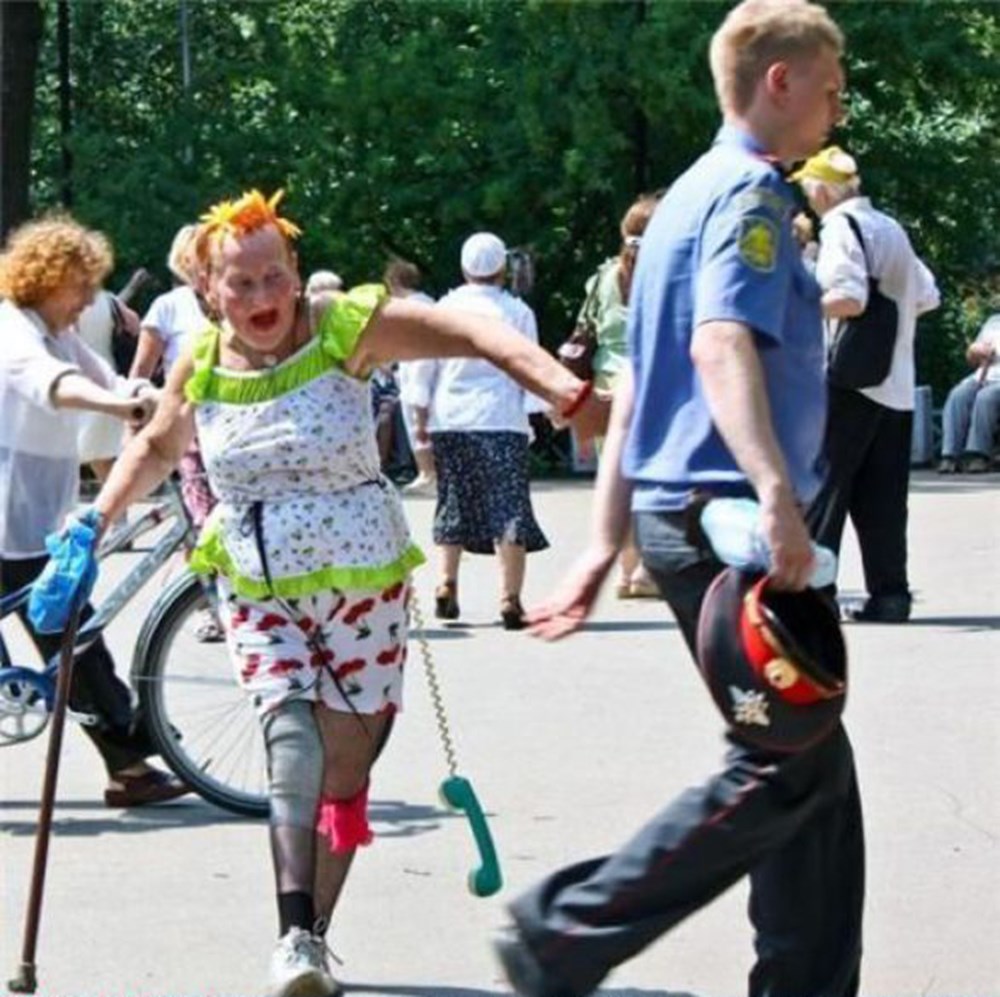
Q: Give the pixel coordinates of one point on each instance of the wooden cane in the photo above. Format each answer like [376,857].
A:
[26,980]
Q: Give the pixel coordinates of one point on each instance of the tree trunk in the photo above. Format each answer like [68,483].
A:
[20,35]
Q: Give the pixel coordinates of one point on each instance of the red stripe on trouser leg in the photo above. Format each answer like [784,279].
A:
[345,822]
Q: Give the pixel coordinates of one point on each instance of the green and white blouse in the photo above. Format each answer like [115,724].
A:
[298,438]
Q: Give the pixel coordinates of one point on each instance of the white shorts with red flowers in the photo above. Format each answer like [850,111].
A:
[345,649]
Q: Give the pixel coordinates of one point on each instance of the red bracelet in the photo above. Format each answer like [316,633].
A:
[581,396]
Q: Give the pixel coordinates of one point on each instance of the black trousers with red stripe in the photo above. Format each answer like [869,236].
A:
[792,823]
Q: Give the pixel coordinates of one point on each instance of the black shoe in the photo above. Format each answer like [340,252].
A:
[523,971]
[948,465]
[512,613]
[884,609]
[446,601]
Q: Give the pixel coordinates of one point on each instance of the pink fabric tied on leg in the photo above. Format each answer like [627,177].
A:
[345,822]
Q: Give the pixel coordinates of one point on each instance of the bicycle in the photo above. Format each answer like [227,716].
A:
[202,724]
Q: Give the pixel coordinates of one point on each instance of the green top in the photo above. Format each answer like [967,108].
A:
[608,314]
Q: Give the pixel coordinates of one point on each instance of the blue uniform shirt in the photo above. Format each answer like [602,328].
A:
[720,247]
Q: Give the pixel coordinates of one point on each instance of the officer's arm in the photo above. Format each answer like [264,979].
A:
[725,356]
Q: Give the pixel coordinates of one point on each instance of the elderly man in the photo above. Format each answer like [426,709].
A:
[869,429]
[723,396]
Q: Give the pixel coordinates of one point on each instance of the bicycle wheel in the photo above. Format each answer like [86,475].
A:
[201,720]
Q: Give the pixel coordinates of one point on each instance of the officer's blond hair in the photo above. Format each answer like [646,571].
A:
[758,33]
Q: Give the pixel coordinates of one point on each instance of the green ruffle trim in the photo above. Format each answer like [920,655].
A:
[211,557]
[337,335]
[341,325]
[213,384]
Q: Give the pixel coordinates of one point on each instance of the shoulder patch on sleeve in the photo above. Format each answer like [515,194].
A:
[758,243]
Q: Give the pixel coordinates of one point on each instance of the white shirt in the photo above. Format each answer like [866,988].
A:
[901,275]
[172,317]
[39,460]
[472,395]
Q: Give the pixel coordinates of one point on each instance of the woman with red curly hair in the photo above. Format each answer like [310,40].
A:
[308,541]
[50,270]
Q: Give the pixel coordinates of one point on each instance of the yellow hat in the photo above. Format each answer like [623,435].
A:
[830,165]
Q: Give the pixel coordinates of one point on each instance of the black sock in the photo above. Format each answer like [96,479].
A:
[295,910]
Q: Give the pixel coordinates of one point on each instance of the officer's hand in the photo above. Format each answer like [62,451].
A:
[573,600]
[783,527]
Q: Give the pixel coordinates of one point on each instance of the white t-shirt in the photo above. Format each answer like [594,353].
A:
[901,274]
[466,394]
[39,458]
[172,317]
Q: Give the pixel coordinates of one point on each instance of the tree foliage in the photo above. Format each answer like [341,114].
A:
[399,126]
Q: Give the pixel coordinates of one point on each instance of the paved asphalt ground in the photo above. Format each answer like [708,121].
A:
[570,747]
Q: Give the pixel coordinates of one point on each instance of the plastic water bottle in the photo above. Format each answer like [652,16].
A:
[732,526]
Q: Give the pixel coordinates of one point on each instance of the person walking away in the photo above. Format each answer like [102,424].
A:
[480,434]
[605,310]
[869,430]
[723,397]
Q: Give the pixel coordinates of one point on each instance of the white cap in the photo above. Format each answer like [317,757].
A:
[483,255]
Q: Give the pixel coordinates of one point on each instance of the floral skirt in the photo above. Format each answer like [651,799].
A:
[483,494]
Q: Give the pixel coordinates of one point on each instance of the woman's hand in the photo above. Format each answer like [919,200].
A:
[136,412]
[566,612]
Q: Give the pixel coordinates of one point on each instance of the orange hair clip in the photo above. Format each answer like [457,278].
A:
[247,214]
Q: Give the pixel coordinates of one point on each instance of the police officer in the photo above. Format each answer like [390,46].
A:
[727,399]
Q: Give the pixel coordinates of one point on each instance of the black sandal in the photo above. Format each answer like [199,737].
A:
[512,613]
[446,601]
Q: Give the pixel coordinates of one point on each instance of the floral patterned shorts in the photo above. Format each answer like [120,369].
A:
[345,649]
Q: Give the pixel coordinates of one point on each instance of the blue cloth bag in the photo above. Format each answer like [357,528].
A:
[67,580]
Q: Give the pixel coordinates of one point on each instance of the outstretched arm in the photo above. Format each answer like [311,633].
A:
[410,330]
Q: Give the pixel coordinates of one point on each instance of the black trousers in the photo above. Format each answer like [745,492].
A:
[120,735]
[867,448]
[790,822]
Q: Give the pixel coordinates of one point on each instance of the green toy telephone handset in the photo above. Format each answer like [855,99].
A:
[456,791]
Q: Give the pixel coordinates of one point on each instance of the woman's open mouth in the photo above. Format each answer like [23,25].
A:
[263,321]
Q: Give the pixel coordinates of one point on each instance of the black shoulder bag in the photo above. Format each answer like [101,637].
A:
[861,351]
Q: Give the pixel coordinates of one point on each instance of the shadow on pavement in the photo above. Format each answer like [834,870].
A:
[393,818]
[437,991]
[970,623]
[627,626]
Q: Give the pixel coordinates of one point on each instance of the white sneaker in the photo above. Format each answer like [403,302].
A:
[299,967]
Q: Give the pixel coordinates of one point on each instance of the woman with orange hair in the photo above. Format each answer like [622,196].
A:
[308,540]
[50,270]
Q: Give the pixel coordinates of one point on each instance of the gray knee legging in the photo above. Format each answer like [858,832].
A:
[294,763]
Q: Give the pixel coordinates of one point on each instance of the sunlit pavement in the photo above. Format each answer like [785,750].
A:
[569,746]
